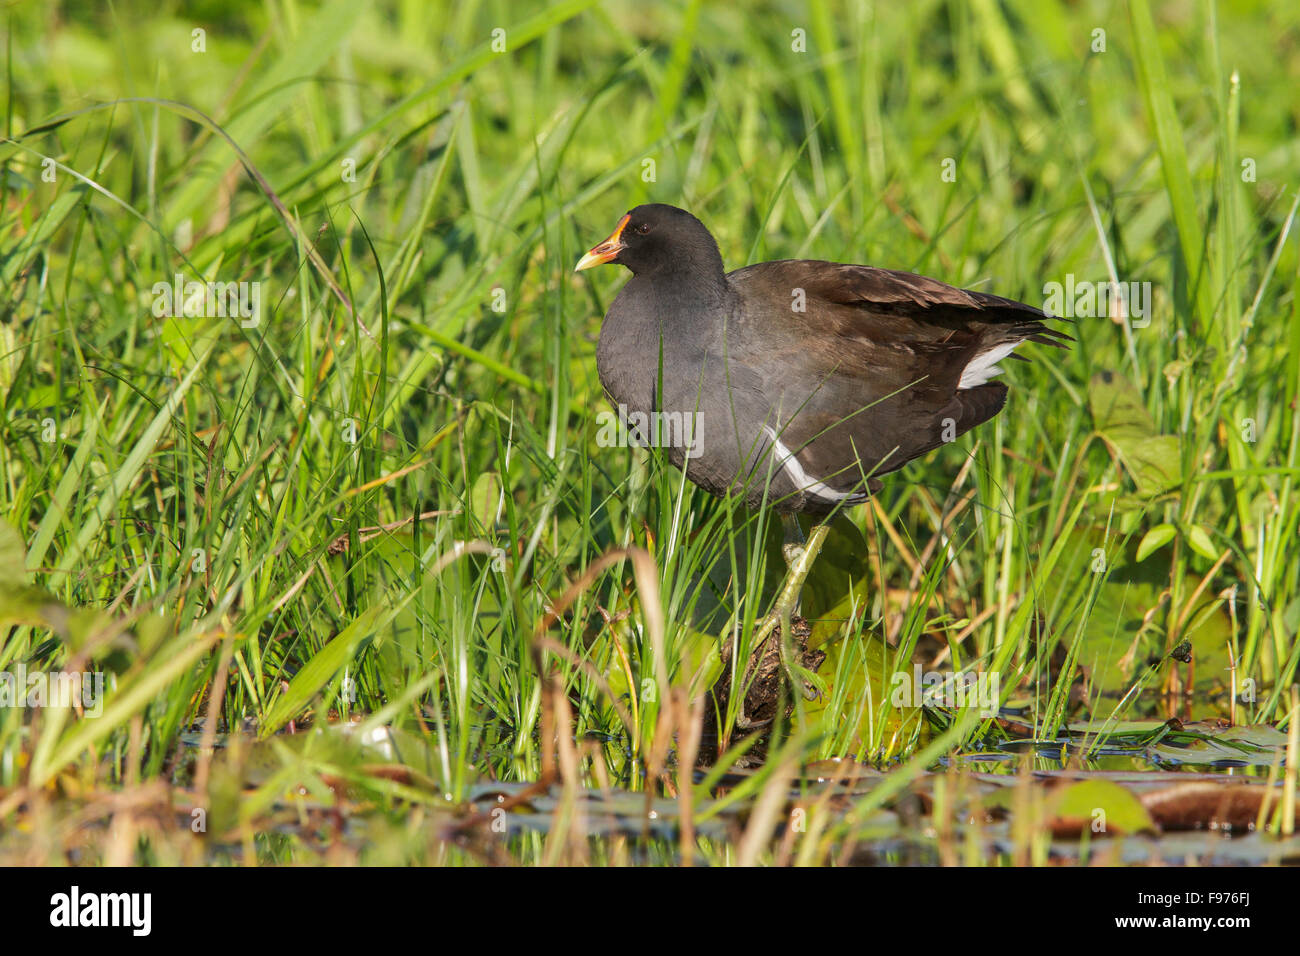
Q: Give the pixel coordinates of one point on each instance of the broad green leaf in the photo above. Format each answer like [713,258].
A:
[1121,419]
[1198,539]
[1102,806]
[1156,538]
[485,497]
[316,673]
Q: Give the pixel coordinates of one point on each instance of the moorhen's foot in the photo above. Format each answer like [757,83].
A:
[766,674]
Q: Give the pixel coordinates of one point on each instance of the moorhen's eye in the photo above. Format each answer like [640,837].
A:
[643,228]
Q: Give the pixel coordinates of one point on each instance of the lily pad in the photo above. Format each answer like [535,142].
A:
[1102,806]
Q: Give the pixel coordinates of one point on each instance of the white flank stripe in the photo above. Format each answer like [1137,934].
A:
[985,365]
[804,481]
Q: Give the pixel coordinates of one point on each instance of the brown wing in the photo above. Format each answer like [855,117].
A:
[877,369]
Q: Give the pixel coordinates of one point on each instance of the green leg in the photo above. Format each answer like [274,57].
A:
[799,556]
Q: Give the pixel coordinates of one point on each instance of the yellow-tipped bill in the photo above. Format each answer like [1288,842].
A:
[606,251]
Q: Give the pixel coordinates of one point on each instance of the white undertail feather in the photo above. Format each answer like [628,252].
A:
[804,481]
[985,365]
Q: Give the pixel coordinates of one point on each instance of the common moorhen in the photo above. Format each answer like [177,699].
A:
[794,383]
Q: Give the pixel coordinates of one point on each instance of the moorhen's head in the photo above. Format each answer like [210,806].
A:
[657,238]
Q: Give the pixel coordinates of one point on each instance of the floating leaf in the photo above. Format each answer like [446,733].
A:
[1204,752]
[1102,806]
[1116,729]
